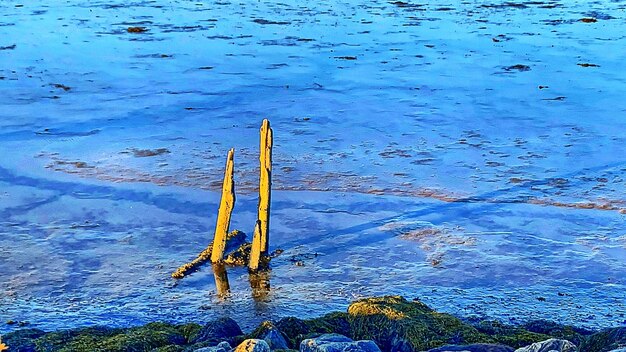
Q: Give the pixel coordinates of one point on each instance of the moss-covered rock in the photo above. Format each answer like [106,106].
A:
[268,332]
[190,330]
[565,332]
[83,339]
[295,330]
[22,340]
[145,338]
[399,325]
[605,340]
[169,348]
[216,331]
[509,335]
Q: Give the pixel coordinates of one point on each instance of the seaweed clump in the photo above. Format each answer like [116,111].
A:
[153,336]
[605,340]
[399,325]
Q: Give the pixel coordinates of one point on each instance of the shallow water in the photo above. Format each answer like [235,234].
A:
[467,154]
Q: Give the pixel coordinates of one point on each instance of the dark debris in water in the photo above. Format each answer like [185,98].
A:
[142,153]
[136,29]
[518,67]
[61,86]
[264,21]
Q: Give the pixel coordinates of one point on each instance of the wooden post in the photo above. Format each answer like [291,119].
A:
[222,286]
[227,204]
[265,184]
[255,252]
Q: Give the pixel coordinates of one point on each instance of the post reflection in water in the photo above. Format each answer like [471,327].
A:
[260,284]
[221,280]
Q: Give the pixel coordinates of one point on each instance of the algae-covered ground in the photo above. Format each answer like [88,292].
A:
[392,322]
[468,154]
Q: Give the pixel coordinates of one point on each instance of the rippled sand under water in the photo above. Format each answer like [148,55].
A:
[467,154]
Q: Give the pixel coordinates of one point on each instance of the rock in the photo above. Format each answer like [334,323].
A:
[22,340]
[516,336]
[550,345]
[296,330]
[270,334]
[221,347]
[168,348]
[152,336]
[396,324]
[478,347]
[572,334]
[217,331]
[253,345]
[337,343]
[605,340]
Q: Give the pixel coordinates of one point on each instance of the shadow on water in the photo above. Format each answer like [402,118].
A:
[486,200]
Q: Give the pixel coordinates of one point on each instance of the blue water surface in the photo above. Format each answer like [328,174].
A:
[469,154]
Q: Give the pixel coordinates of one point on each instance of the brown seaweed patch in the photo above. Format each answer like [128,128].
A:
[606,205]
[264,21]
[434,240]
[136,29]
[61,86]
[142,153]
[60,165]
[518,67]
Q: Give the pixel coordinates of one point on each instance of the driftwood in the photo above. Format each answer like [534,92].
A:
[260,241]
[227,203]
[255,255]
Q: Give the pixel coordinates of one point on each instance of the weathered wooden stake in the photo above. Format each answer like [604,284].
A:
[265,184]
[255,251]
[227,204]
[221,280]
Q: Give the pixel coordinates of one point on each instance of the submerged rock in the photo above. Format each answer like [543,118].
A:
[337,343]
[550,345]
[253,345]
[478,347]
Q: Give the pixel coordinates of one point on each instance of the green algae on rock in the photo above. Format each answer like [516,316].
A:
[397,324]
[605,340]
[161,336]
[392,322]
